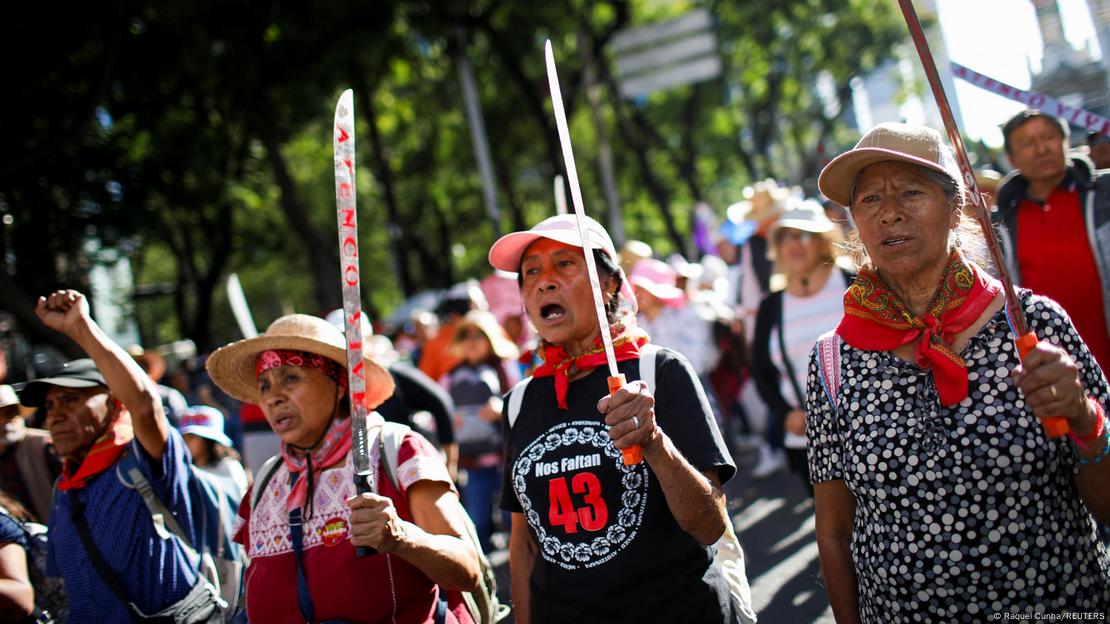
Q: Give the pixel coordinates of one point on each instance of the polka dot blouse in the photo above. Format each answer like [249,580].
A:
[965,512]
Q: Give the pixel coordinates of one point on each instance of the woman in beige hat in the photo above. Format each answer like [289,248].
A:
[295,372]
[939,498]
[593,539]
[484,373]
[804,248]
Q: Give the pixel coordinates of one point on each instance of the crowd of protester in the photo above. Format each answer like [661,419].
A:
[860,338]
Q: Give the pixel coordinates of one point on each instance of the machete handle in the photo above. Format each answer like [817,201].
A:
[362,486]
[633,454]
[1054,426]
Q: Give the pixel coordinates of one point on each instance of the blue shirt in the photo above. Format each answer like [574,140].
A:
[154,572]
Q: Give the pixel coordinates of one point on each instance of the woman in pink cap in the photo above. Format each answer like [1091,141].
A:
[594,540]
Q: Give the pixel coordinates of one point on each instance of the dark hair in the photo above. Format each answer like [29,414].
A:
[1019,120]
[215,452]
[606,268]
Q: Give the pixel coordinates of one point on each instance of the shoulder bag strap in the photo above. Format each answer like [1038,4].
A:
[296,536]
[77,517]
[798,394]
[137,481]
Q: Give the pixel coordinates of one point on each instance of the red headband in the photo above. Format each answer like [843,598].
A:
[290,357]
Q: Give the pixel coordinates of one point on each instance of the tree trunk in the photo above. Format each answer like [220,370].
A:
[322,257]
[379,163]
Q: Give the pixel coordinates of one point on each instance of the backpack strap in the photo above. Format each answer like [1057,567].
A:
[130,476]
[648,355]
[516,397]
[389,441]
[265,473]
[828,366]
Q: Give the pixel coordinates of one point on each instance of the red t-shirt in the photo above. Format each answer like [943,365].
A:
[381,588]
[1055,259]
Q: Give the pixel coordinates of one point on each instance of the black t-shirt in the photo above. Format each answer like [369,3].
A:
[609,548]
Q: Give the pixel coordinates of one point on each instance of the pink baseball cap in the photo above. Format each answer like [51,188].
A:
[507,251]
[658,278]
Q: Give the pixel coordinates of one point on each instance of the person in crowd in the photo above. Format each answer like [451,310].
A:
[1099,145]
[485,372]
[667,316]
[302,528]
[28,464]
[104,543]
[804,246]
[987,180]
[17,595]
[436,357]
[413,392]
[27,594]
[757,213]
[632,252]
[202,426]
[594,540]
[154,365]
[1051,210]
[939,497]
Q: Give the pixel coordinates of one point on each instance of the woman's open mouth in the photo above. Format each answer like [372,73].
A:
[283,422]
[895,241]
[552,312]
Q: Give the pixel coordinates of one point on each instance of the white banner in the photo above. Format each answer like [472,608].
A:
[1077,116]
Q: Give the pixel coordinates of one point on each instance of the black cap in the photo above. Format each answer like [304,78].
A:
[1094,138]
[75,374]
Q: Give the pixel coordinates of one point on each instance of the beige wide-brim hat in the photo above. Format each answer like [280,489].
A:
[233,366]
[500,343]
[916,145]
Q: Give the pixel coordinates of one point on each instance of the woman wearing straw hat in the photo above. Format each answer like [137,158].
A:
[295,372]
[476,385]
[804,248]
[594,540]
[939,498]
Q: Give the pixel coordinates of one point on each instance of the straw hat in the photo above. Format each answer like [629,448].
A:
[762,201]
[805,215]
[486,323]
[232,367]
[916,145]
[8,398]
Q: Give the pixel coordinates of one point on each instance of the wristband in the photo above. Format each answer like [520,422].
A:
[1100,425]
[1101,431]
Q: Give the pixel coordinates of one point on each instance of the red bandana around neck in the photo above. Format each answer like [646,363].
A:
[875,319]
[336,444]
[556,361]
[102,456]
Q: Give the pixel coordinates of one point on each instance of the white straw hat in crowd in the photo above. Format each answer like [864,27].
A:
[917,145]
[233,367]
[806,215]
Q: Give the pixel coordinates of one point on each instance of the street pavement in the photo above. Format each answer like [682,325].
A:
[774,520]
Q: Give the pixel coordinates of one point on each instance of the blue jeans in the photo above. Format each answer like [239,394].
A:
[482,485]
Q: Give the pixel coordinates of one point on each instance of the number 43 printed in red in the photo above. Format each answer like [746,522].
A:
[592,515]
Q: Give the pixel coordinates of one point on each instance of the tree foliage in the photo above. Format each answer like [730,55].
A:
[196,137]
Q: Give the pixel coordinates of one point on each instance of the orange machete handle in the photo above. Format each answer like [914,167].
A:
[1054,426]
[633,454]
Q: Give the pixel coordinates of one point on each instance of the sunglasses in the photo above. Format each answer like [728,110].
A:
[796,236]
